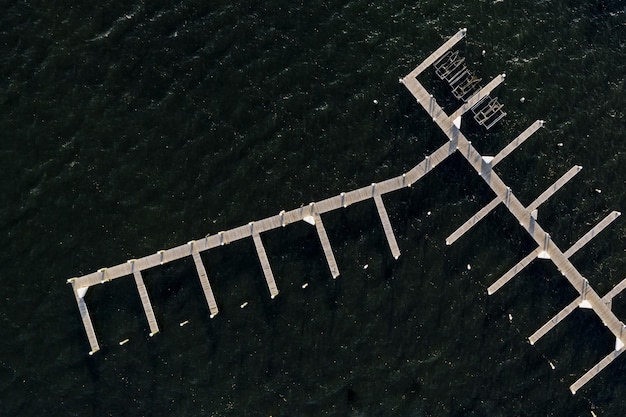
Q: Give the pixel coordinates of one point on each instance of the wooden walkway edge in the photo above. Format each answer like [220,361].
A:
[87,324]
[438,53]
[384,218]
[550,324]
[328,250]
[608,298]
[265,264]
[482,213]
[204,282]
[513,271]
[595,370]
[554,188]
[145,302]
[554,321]
[517,142]
[592,233]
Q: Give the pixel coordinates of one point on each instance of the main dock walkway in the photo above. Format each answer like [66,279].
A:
[312,214]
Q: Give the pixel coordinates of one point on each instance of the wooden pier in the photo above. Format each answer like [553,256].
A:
[516,142]
[541,252]
[576,303]
[514,271]
[567,310]
[84,315]
[145,302]
[449,44]
[543,197]
[384,218]
[328,250]
[526,216]
[592,233]
[494,203]
[265,264]
[619,342]
[472,221]
[478,96]
[204,282]
[595,370]
[311,214]
[453,69]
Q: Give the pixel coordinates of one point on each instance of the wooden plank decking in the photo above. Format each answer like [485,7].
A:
[516,142]
[554,321]
[86,318]
[478,96]
[493,162]
[595,370]
[384,218]
[438,53]
[145,302]
[567,310]
[450,125]
[547,248]
[572,306]
[472,221]
[513,271]
[540,236]
[531,207]
[265,264]
[554,188]
[328,250]
[608,298]
[204,282]
[284,218]
[611,356]
[610,218]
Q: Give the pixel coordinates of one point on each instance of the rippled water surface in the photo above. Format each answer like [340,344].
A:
[132,127]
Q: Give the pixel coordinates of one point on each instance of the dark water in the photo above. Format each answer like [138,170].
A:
[132,127]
